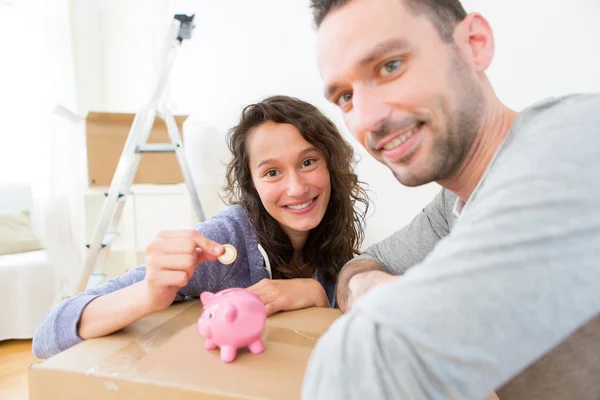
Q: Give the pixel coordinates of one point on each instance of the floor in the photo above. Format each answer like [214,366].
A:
[15,358]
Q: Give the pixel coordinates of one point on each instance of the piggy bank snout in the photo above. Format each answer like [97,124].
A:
[203,328]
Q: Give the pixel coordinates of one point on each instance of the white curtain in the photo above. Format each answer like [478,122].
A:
[58,197]
[42,140]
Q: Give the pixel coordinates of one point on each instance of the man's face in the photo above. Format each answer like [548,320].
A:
[409,97]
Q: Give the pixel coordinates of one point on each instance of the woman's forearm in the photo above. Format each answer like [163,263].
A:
[321,299]
[114,311]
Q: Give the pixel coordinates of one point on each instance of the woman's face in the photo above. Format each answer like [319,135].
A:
[290,176]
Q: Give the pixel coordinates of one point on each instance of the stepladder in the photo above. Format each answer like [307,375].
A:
[136,145]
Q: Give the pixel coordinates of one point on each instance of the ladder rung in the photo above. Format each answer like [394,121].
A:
[108,239]
[156,148]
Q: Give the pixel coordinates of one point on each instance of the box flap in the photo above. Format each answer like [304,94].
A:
[106,135]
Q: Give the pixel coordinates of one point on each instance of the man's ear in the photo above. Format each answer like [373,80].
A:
[475,39]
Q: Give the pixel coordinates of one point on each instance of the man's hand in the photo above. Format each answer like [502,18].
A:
[361,283]
[171,260]
[290,294]
[357,278]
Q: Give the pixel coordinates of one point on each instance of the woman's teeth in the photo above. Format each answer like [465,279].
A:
[301,206]
[398,141]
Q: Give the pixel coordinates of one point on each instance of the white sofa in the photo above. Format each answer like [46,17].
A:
[26,279]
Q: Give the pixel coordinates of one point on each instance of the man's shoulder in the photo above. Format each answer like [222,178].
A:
[576,100]
[553,142]
[562,111]
[560,125]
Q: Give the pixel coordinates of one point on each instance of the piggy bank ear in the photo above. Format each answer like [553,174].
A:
[229,312]
[205,297]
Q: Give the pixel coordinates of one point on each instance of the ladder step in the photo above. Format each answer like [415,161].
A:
[109,237]
[156,148]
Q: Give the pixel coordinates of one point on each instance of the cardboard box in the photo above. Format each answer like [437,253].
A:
[162,356]
[106,134]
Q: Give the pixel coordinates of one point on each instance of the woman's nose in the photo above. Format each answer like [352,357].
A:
[297,187]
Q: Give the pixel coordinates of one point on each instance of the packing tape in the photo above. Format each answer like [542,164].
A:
[290,336]
[125,358]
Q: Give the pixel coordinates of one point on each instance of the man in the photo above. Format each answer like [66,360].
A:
[500,273]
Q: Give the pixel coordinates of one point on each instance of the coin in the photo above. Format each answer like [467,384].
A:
[230,254]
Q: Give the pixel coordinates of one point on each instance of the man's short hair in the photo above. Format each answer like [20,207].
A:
[445,14]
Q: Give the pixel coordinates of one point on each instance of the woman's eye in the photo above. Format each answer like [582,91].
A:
[308,163]
[271,174]
[344,99]
[389,67]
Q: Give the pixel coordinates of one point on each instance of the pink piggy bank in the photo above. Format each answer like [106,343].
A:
[232,319]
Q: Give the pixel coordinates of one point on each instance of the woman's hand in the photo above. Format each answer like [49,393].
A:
[171,260]
[290,294]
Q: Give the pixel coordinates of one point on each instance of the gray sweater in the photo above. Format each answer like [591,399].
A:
[504,298]
[58,329]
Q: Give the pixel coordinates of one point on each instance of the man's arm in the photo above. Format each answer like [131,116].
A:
[397,253]
[516,277]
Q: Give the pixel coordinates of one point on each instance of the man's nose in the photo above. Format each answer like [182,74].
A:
[369,112]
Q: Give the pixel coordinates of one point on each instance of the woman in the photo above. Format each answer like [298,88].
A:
[293,217]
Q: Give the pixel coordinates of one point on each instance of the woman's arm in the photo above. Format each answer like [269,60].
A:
[58,330]
[107,314]
[172,259]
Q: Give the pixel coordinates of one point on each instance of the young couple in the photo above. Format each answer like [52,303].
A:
[296,217]
[492,287]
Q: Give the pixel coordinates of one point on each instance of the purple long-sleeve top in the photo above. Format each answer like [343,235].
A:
[58,329]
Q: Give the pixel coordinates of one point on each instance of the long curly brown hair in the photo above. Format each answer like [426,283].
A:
[338,237]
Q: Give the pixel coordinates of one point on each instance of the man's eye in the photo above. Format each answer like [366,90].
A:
[344,99]
[389,67]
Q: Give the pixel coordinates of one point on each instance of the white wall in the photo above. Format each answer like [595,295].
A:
[242,51]
[544,48]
